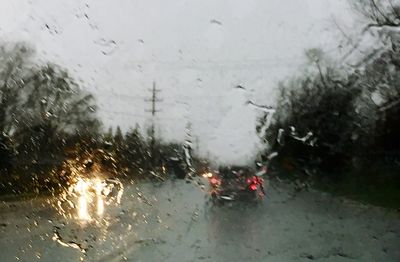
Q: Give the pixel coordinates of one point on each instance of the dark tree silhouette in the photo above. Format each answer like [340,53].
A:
[42,110]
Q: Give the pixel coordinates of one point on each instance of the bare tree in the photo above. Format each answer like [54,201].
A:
[382,13]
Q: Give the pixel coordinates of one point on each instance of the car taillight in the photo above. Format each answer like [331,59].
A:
[214,181]
[253,187]
[255,180]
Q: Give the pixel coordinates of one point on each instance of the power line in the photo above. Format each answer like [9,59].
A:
[123,96]
[121,113]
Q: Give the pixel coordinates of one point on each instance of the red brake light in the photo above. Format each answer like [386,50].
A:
[213,181]
[256,180]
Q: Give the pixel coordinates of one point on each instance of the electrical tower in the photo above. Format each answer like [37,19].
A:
[154,99]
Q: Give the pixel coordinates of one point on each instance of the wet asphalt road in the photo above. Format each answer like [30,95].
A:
[175,221]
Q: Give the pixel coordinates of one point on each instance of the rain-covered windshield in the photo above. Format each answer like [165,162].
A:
[202,130]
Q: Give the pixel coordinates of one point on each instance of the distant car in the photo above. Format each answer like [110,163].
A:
[235,183]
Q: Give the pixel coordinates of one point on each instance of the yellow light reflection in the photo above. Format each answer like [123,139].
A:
[81,188]
[100,202]
[86,199]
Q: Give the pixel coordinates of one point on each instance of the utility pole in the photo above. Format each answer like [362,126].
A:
[154,99]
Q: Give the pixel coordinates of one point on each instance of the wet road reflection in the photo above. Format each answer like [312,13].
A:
[174,221]
[88,198]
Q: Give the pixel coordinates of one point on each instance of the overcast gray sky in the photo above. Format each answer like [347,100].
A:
[197,51]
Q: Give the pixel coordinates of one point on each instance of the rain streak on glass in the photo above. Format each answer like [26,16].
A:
[200,130]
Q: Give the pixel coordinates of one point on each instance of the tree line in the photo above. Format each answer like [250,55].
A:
[49,126]
[340,122]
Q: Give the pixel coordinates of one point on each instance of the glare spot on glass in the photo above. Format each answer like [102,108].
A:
[100,202]
[81,188]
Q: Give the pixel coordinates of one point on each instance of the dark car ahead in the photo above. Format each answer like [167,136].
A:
[235,183]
